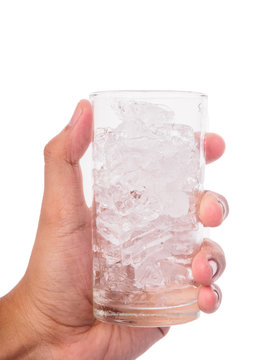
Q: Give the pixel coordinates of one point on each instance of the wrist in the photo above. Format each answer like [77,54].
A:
[18,338]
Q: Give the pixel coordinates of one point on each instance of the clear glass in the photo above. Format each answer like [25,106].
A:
[148,170]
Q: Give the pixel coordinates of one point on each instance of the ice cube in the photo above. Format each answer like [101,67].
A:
[145,112]
[146,179]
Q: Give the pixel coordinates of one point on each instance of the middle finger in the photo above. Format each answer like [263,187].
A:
[213,209]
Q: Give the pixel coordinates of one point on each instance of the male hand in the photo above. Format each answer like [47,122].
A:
[49,313]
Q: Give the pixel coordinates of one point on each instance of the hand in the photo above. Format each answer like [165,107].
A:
[50,310]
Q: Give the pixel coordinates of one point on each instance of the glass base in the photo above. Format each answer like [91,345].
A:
[147,317]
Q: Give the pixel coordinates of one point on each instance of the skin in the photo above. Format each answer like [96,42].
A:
[48,315]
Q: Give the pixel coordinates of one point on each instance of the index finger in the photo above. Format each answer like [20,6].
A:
[214,147]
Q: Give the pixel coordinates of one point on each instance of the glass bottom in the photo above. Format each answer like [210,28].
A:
[147,317]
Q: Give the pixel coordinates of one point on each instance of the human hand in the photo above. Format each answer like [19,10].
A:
[50,311]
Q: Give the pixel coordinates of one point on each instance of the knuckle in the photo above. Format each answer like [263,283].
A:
[49,150]
[211,246]
[58,149]
[55,149]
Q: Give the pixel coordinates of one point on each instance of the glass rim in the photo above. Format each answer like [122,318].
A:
[151,93]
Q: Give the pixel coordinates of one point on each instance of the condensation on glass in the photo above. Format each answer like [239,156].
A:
[148,170]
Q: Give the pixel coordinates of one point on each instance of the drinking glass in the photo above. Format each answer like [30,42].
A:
[148,171]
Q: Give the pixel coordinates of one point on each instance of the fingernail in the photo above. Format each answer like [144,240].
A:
[76,115]
[224,205]
[214,267]
[217,295]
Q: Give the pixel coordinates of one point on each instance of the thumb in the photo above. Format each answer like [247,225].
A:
[63,191]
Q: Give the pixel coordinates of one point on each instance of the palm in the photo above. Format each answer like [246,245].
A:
[65,300]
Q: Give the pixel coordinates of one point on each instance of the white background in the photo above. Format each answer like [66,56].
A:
[54,53]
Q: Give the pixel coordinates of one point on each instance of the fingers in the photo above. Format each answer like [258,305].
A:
[207,266]
[209,298]
[214,147]
[209,263]
[63,180]
[213,209]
